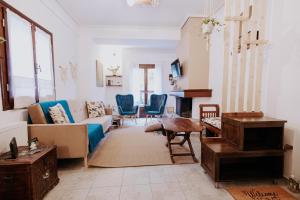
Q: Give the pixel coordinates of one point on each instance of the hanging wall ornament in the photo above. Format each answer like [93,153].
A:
[63,73]
[74,71]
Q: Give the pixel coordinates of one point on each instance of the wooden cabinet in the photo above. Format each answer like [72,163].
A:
[250,147]
[223,162]
[253,133]
[29,177]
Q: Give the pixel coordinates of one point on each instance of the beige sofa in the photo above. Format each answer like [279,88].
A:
[71,139]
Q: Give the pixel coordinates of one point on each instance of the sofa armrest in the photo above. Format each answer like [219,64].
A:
[71,139]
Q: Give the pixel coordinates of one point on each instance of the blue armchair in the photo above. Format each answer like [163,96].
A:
[157,105]
[126,105]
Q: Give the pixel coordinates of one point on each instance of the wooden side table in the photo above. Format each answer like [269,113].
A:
[29,176]
[116,122]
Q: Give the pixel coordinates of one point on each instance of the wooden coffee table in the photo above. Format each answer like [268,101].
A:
[173,127]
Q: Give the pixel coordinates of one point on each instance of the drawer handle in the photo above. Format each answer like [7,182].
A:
[46,175]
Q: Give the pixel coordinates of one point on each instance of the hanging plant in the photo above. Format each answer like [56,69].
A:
[209,24]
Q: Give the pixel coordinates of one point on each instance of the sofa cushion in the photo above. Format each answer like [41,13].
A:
[105,121]
[58,114]
[45,107]
[213,121]
[95,135]
[95,109]
[36,114]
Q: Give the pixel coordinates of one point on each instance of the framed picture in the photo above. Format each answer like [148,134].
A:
[99,74]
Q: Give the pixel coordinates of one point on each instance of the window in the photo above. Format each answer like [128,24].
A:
[44,65]
[27,63]
[147,81]
[22,76]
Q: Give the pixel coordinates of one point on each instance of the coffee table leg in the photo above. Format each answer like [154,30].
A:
[183,140]
[169,139]
[188,134]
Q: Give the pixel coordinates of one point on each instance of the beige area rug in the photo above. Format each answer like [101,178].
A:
[260,193]
[132,147]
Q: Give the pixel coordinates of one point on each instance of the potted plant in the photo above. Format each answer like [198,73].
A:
[114,70]
[209,24]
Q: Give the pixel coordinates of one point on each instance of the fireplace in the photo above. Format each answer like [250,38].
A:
[184,107]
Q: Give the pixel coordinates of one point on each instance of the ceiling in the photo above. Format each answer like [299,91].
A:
[139,43]
[171,13]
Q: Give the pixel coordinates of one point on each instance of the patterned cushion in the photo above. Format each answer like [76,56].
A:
[214,121]
[95,109]
[58,114]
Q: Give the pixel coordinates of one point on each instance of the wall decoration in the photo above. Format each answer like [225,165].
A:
[63,73]
[99,74]
[244,51]
[74,71]
[114,70]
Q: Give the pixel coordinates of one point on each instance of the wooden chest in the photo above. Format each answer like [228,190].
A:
[29,177]
[253,133]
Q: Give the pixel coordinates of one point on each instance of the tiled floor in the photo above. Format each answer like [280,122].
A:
[176,182]
[170,182]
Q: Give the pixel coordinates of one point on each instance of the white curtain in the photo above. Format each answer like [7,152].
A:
[155,79]
[136,78]
[137,81]
[22,82]
[45,65]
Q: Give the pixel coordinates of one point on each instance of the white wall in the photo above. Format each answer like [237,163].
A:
[282,75]
[125,57]
[89,50]
[216,58]
[88,54]
[52,17]
[281,91]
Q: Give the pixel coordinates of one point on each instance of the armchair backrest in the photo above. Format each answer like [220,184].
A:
[158,102]
[125,102]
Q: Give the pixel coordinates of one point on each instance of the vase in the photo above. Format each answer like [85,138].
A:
[207,28]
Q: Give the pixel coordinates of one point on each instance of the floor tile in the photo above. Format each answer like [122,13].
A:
[161,174]
[108,178]
[54,194]
[136,176]
[74,194]
[104,193]
[76,180]
[167,191]
[137,192]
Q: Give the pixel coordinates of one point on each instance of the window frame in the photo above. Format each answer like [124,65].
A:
[5,64]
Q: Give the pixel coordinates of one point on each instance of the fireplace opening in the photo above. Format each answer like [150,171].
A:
[184,107]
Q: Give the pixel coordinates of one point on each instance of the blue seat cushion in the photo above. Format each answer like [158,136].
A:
[95,135]
[45,107]
[129,113]
[153,112]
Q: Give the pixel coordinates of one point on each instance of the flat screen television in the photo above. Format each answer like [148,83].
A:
[176,69]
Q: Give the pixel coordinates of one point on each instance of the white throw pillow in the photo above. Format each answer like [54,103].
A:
[95,109]
[58,114]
